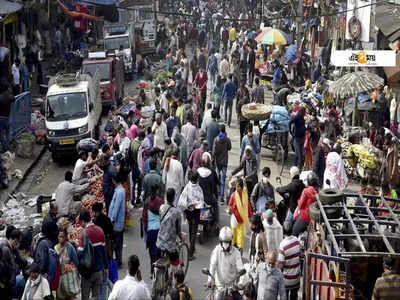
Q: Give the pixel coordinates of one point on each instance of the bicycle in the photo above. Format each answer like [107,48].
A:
[163,278]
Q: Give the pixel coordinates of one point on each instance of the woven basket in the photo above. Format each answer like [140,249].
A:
[256,111]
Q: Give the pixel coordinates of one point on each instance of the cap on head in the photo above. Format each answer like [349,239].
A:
[294,171]
[269,214]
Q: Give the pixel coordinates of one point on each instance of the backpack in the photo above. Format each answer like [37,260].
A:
[86,260]
[54,273]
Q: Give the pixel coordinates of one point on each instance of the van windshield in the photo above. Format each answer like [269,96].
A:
[66,107]
[102,68]
[116,43]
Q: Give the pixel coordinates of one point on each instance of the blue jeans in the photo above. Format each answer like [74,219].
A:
[4,133]
[298,144]
[221,173]
[228,115]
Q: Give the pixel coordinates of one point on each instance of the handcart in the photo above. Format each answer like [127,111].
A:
[348,237]
[275,133]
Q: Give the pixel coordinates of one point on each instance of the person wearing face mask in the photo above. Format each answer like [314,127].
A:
[258,241]
[225,263]
[273,231]
[270,280]
[263,192]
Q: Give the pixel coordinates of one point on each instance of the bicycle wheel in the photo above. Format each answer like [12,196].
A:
[184,257]
[158,285]
[280,158]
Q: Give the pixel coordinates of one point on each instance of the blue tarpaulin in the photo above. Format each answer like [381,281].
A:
[20,117]
[100,2]
[291,54]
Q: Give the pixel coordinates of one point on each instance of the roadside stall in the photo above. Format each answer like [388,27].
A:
[347,239]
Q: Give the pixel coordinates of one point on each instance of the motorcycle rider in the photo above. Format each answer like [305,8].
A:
[225,264]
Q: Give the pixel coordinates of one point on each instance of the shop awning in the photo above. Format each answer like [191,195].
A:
[8,7]
[387,19]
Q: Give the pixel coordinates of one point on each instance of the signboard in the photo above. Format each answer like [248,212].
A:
[363,58]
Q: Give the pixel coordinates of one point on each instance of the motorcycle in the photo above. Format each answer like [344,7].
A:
[208,224]
[230,291]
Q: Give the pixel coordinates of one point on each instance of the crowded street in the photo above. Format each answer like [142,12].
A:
[193,150]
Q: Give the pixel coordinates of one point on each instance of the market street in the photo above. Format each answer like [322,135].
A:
[47,175]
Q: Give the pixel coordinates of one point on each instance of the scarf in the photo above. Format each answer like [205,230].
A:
[167,163]
[242,205]
[32,288]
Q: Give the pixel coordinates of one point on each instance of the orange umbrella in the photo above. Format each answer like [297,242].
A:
[262,33]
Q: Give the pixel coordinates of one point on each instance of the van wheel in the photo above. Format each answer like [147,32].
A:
[54,157]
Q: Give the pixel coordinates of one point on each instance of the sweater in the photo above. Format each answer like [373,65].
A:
[96,236]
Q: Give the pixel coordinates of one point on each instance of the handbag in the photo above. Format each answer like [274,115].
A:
[69,283]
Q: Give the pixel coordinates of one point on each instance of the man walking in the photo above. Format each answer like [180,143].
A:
[117,217]
[252,65]
[92,279]
[270,280]
[220,153]
[6,100]
[228,94]
[298,132]
[257,94]
[289,261]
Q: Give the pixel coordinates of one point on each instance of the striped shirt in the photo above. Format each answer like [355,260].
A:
[387,287]
[289,257]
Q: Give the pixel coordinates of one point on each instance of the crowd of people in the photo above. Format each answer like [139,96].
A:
[176,167]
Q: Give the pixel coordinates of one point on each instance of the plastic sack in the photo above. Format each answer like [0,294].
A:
[113,271]
[25,145]
[87,145]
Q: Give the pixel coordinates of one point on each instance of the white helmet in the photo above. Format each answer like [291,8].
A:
[225,234]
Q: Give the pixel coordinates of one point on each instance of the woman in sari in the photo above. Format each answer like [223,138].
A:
[240,211]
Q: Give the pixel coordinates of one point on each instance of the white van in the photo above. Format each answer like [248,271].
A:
[72,111]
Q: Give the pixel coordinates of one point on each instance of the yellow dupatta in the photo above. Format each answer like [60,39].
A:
[243,204]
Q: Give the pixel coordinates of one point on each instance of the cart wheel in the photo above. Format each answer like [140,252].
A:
[280,158]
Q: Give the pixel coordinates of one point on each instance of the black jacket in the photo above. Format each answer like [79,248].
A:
[294,189]
[8,264]
[319,165]
[104,223]
[50,228]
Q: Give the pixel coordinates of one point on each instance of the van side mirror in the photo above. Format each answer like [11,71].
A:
[90,107]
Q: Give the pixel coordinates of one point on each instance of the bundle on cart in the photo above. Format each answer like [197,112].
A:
[256,111]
